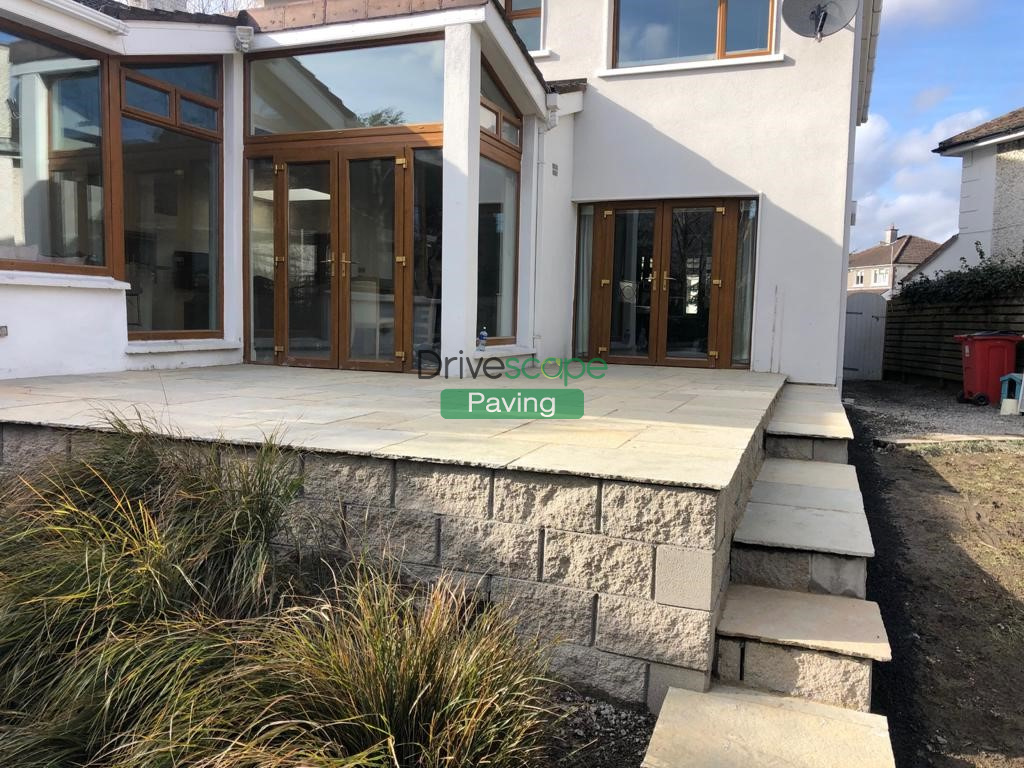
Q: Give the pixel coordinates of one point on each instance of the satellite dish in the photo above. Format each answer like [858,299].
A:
[818,18]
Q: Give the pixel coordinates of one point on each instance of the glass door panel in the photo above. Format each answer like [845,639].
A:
[687,282]
[261,258]
[632,286]
[310,307]
[371,265]
[426,258]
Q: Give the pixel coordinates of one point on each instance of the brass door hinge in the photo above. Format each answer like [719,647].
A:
[278,349]
[400,356]
[717,283]
[278,168]
[605,283]
[608,213]
[720,209]
[713,355]
[279,259]
[401,162]
[400,260]
[602,350]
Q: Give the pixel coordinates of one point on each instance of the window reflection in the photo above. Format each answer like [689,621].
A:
[359,88]
[496,276]
[51,177]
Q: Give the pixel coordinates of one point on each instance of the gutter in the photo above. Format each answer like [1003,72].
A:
[90,16]
[958,149]
[869,53]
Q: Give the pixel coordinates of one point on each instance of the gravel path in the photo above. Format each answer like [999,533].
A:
[894,410]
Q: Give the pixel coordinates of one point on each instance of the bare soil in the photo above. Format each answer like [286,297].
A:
[600,734]
[948,526]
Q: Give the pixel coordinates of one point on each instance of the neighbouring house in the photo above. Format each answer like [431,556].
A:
[991,193]
[881,268]
[365,186]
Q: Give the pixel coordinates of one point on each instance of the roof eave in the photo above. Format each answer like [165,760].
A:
[869,51]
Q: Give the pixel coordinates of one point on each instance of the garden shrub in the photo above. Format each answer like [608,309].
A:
[992,278]
[154,613]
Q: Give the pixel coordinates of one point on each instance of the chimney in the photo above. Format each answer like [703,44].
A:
[891,235]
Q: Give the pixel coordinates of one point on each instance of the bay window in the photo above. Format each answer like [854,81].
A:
[649,32]
[51,156]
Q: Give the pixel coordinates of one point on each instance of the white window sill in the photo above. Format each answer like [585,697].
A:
[685,66]
[61,280]
[543,53]
[504,350]
[168,346]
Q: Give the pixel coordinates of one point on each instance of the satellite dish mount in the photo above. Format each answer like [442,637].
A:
[819,18]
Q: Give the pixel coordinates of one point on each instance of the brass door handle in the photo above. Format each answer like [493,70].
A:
[664,278]
[344,262]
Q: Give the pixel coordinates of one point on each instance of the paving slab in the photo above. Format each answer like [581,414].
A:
[736,728]
[842,500]
[813,474]
[842,625]
[812,530]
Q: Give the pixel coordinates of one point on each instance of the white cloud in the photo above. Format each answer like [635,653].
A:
[930,98]
[899,180]
[924,11]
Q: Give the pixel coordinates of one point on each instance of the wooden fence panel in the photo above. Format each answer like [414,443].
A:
[919,339]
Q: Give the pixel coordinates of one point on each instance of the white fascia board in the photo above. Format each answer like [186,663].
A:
[513,67]
[871,24]
[370,29]
[163,38]
[76,22]
[570,103]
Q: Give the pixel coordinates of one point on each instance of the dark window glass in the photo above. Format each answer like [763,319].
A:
[743,313]
[426,256]
[584,273]
[172,229]
[510,132]
[528,29]
[198,115]
[747,25]
[51,180]
[496,268]
[488,119]
[197,78]
[261,257]
[359,88]
[490,90]
[139,96]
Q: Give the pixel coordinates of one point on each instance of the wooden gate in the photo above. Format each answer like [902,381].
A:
[865,337]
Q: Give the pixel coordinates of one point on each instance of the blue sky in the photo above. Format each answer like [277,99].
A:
[943,66]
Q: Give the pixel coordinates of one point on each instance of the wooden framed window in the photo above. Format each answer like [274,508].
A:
[54,146]
[501,137]
[526,17]
[651,32]
[171,175]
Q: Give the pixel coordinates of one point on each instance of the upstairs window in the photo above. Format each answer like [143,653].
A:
[651,32]
[526,18]
[880,277]
[859,277]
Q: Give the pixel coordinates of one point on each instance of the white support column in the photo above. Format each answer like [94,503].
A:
[530,216]
[234,190]
[461,189]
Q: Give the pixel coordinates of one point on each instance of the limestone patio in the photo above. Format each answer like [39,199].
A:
[669,426]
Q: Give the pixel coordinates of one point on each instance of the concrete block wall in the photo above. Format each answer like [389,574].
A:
[627,577]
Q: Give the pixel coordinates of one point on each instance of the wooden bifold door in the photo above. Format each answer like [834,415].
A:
[663,282]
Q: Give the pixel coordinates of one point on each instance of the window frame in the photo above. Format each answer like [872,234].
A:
[528,13]
[880,277]
[721,53]
[858,277]
[122,110]
[106,63]
[504,153]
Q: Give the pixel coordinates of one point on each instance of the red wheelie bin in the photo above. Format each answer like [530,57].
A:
[987,357]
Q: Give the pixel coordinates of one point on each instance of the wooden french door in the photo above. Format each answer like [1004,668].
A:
[664,281]
[328,247]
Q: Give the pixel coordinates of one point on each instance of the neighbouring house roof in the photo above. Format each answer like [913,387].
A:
[935,254]
[124,12]
[1010,123]
[908,249]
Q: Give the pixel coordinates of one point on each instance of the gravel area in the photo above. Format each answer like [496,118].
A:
[600,734]
[895,410]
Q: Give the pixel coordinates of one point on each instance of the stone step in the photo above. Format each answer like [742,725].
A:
[810,424]
[840,625]
[804,530]
[737,728]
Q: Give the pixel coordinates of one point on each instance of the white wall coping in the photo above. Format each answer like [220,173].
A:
[168,346]
[61,280]
[683,66]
